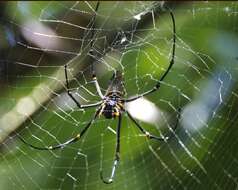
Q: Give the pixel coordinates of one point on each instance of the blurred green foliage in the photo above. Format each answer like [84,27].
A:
[205,51]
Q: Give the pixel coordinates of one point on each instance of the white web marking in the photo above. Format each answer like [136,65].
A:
[135,38]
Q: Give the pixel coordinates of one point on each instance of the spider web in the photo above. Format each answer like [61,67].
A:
[40,38]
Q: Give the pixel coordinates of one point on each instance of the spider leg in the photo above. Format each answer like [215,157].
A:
[71,95]
[150,136]
[95,80]
[97,86]
[157,86]
[72,140]
[117,156]
[91,45]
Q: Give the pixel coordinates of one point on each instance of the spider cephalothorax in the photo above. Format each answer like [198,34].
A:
[112,106]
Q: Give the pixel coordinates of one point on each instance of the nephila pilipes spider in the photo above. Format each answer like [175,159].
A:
[112,106]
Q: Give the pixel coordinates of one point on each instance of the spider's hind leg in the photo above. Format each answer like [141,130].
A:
[117,156]
[70,141]
[150,136]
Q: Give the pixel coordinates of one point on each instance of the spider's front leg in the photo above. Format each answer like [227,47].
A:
[117,155]
[71,95]
[171,63]
[97,86]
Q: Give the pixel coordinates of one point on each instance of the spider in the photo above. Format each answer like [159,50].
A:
[112,105]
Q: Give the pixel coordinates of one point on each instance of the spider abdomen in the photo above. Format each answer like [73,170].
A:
[109,112]
[112,106]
